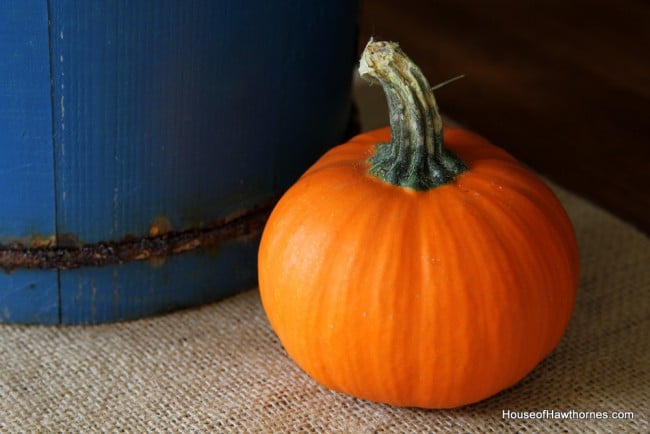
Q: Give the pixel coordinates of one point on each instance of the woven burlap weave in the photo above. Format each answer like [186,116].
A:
[220,368]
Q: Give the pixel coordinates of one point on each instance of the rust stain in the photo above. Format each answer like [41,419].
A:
[157,261]
[41,241]
[161,225]
[160,243]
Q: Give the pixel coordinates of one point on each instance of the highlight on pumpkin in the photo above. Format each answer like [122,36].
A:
[417,265]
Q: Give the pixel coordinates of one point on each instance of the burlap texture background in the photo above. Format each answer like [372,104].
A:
[220,368]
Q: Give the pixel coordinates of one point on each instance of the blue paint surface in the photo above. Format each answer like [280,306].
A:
[190,110]
[27,207]
[133,290]
[122,112]
[26,155]
[29,296]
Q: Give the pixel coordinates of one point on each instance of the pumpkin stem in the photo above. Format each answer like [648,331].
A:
[415,157]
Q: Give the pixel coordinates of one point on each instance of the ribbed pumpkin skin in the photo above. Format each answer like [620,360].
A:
[432,299]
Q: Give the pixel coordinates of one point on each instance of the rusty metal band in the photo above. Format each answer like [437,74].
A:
[241,225]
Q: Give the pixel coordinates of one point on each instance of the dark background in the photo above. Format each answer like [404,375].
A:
[562,85]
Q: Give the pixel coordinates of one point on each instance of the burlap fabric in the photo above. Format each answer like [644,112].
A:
[220,368]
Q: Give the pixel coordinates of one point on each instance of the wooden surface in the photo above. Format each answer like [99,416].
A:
[563,86]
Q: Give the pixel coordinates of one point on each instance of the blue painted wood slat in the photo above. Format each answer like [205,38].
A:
[27,208]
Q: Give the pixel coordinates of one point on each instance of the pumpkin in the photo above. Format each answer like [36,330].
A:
[418,265]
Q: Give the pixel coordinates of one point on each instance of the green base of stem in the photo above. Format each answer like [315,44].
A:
[418,172]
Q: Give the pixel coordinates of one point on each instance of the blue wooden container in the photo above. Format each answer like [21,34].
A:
[143,142]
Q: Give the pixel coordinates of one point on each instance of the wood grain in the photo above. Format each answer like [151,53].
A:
[563,86]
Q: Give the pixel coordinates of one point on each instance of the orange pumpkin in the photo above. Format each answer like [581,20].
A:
[415,267]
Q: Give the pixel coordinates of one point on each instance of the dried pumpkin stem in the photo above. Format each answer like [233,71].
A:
[415,157]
